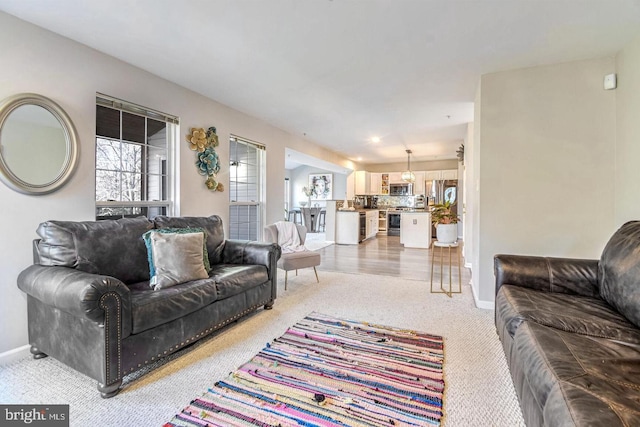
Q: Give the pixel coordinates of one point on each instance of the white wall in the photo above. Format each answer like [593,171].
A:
[546,164]
[627,204]
[36,60]
[473,198]
[466,171]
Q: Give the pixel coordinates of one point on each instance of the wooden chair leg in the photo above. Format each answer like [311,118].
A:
[285,279]
[316,271]
[296,271]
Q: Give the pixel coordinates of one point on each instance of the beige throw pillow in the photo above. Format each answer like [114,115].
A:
[178,258]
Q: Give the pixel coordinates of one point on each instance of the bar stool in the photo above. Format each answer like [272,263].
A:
[295,214]
[449,247]
[322,219]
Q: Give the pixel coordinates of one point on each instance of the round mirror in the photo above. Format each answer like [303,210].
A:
[38,144]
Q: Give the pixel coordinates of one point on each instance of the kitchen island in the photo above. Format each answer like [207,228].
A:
[415,229]
[352,227]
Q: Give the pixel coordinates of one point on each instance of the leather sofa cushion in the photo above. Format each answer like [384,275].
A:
[232,279]
[111,247]
[578,379]
[582,315]
[619,271]
[212,225]
[150,308]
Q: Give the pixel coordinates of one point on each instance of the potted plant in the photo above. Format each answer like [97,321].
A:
[446,223]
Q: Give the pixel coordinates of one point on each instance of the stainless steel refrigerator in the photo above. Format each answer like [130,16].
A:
[441,191]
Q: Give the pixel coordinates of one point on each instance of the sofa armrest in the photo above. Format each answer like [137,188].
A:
[250,252]
[78,293]
[562,275]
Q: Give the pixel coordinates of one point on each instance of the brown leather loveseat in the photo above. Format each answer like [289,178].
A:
[570,332]
[90,303]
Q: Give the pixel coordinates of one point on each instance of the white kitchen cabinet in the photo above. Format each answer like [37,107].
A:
[441,174]
[418,185]
[347,227]
[415,229]
[376,183]
[351,185]
[433,175]
[450,174]
[372,223]
[362,183]
[395,177]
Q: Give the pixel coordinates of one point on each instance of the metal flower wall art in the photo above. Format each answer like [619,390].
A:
[203,142]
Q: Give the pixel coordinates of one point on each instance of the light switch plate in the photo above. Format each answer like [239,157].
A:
[610,81]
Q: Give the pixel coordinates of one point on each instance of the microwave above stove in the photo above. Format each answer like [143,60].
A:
[401,189]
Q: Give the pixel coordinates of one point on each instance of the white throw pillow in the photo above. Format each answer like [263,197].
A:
[177,258]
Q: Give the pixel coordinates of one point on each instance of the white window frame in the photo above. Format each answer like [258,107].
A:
[173,131]
[260,184]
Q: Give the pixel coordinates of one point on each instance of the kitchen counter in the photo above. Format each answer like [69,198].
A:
[415,229]
[347,227]
[352,227]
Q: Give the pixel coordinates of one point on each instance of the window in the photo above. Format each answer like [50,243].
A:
[134,160]
[246,189]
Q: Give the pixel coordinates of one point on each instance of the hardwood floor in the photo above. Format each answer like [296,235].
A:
[385,256]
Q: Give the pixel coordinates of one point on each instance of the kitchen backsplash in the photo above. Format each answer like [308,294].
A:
[386,201]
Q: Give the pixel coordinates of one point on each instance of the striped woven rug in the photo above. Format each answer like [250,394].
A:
[326,371]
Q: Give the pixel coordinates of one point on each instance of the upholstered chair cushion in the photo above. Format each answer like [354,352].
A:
[619,271]
[299,260]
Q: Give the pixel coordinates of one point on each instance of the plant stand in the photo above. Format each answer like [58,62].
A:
[449,247]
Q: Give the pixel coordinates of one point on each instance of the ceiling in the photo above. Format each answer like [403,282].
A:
[294,159]
[340,72]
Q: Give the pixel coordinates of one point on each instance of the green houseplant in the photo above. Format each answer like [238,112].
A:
[445,222]
[441,214]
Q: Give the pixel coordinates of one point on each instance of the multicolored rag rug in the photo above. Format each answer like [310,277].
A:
[330,372]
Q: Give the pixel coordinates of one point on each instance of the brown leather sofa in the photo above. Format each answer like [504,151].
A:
[570,333]
[90,305]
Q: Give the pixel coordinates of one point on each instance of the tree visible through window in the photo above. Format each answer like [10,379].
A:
[132,162]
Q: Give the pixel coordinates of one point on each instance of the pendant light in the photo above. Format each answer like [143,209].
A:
[407,175]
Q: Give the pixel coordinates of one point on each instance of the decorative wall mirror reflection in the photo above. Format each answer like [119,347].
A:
[38,144]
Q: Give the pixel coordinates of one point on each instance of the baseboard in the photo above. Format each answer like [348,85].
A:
[485,305]
[12,355]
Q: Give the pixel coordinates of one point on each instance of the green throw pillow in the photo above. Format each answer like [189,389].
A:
[177,258]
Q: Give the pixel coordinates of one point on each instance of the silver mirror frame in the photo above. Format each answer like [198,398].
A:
[71,159]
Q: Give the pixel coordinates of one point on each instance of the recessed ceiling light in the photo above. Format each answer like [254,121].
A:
[375,139]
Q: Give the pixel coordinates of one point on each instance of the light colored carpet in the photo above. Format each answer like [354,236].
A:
[478,390]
